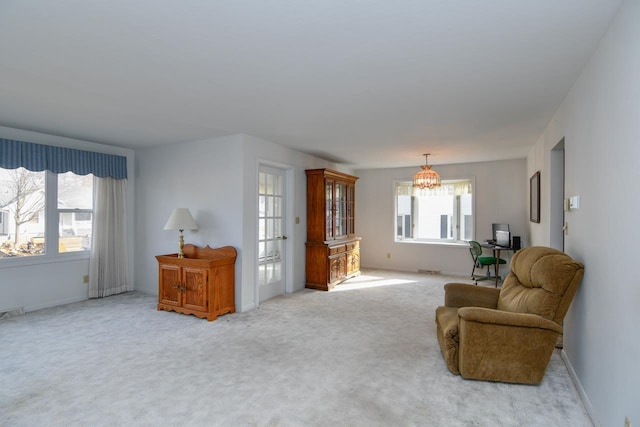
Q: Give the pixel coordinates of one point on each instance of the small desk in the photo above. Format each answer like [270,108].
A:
[496,253]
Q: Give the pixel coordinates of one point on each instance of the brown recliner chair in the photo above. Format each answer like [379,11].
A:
[509,334]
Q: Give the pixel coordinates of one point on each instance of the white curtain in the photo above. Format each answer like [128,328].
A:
[108,269]
[456,187]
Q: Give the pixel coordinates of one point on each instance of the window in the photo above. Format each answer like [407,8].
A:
[75,212]
[443,214]
[31,201]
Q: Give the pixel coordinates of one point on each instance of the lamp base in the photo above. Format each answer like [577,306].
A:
[180,245]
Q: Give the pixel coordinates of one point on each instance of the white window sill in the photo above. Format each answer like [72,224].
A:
[431,243]
[13,262]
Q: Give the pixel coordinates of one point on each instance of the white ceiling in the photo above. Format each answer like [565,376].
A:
[368,83]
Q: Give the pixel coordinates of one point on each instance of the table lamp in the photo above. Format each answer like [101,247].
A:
[181,220]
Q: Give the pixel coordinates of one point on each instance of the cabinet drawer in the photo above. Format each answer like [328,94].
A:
[336,249]
[353,245]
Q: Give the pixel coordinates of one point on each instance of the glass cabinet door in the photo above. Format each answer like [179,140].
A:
[329,209]
[351,215]
[341,209]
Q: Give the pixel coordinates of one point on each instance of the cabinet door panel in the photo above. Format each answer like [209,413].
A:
[195,282]
[337,267]
[169,285]
[353,261]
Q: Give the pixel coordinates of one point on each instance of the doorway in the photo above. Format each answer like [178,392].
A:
[557,197]
[272,237]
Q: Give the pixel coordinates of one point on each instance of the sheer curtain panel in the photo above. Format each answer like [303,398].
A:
[108,267]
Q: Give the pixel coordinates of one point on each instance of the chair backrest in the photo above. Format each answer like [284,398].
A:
[542,281]
[475,249]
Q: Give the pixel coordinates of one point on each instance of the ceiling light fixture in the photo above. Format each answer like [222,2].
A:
[426,178]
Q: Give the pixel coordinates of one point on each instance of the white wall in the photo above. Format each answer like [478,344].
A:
[599,120]
[217,180]
[204,176]
[35,285]
[498,194]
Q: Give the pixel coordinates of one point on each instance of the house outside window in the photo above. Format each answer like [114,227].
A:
[28,208]
[75,212]
[439,215]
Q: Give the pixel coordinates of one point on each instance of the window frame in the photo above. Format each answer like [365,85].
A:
[461,241]
[51,230]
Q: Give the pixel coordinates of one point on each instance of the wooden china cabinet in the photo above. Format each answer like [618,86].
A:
[333,250]
[202,283]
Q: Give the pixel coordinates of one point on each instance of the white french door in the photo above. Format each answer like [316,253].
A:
[271,232]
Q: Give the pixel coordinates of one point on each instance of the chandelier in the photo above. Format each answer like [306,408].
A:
[426,178]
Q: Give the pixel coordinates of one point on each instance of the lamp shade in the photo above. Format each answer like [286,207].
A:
[181,219]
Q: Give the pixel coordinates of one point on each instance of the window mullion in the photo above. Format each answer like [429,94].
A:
[51,213]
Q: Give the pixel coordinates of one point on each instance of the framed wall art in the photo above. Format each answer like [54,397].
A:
[534,197]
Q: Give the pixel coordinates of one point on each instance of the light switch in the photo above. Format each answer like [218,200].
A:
[574,202]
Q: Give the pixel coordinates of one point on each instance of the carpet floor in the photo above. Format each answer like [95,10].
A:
[365,354]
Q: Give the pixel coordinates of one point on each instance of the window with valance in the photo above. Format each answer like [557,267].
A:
[439,215]
[83,192]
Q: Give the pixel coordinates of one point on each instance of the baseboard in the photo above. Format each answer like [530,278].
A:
[581,392]
[247,307]
[51,304]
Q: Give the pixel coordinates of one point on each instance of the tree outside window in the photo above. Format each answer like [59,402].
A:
[25,199]
[22,200]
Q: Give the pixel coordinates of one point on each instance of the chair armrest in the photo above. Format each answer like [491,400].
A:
[465,295]
[505,318]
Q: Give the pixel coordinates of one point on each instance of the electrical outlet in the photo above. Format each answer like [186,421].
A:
[388,255]
[627,422]
[85,279]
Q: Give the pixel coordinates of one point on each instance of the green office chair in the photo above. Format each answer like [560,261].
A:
[480,261]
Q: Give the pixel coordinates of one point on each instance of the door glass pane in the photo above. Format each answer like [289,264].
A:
[277,185]
[277,232]
[269,184]
[262,183]
[277,206]
[269,222]
[269,210]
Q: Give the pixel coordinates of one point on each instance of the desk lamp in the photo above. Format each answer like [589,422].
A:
[181,220]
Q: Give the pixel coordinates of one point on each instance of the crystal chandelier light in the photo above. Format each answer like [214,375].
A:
[426,178]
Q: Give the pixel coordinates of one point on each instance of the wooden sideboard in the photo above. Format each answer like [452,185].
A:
[202,283]
[333,249]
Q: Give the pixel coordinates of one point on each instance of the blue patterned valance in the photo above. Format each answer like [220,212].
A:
[39,157]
